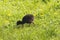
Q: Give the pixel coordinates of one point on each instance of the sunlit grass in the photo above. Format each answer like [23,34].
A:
[46,19]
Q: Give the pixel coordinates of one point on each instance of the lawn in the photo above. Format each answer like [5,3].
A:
[46,19]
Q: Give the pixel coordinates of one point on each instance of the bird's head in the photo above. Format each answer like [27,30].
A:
[19,22]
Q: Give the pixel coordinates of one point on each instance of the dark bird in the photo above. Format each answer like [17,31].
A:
[26,19]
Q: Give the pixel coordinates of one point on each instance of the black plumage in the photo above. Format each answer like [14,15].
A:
[26,19]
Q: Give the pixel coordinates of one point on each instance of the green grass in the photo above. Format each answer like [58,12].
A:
[47,19]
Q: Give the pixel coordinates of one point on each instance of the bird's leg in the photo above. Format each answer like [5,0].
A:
[33,23]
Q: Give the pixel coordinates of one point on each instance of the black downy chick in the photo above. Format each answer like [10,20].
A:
[26,19]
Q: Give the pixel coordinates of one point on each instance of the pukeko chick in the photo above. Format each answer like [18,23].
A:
[26,19]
